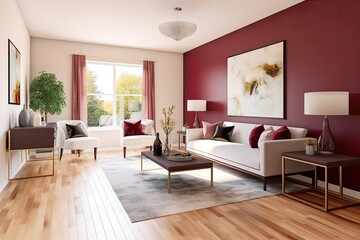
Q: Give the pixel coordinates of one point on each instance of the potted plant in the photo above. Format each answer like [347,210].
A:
[47,94]
[167,124]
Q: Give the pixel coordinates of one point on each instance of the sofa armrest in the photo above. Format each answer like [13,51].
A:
[271,151]
[193,134]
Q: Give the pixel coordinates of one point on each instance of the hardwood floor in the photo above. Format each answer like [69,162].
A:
[78,203]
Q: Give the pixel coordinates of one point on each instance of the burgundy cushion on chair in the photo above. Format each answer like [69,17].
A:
[209,129]
[132,128]
[255,135]
[281,133]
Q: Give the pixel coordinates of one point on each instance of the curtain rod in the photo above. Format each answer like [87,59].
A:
[118,59]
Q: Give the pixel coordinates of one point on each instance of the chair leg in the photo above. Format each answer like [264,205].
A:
[95,152]
[61,153]
[124,150]
[150,148]
[78,151]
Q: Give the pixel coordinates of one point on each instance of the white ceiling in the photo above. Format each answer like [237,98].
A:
[134,23]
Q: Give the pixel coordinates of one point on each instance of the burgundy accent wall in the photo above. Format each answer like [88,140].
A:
[322,53]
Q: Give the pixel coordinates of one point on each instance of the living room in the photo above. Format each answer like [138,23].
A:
[321,54]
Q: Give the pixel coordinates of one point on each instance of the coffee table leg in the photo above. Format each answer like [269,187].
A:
[169,182]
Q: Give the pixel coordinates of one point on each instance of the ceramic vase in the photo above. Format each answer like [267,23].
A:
[37,119]
[157,147]
[31,117]
[24,118]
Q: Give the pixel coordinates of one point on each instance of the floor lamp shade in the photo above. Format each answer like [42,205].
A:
[196,106]
[327,104]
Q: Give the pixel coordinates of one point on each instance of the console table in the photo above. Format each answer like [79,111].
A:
[326,162]
[27,138]
[180,134]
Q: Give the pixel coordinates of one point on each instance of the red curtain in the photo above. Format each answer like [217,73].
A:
[148,90]
[79,98]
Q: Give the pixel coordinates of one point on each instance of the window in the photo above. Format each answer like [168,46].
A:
[113,92]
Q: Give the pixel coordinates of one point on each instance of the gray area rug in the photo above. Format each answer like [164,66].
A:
[144,195]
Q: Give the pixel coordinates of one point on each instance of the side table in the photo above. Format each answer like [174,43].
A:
[181,133]
[326,162]
[26,138]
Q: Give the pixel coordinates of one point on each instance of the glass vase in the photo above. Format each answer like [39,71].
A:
[166,145]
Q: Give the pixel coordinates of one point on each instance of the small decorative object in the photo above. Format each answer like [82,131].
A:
[47,94]
[24,118]
[179,157]
[157,148]
[310,147]
[186,126]
[167,124]
[37,119]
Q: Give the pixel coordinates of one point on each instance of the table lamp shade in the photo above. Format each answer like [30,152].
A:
[326,103]
[196,105]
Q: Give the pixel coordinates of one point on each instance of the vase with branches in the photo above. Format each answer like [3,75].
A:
[168,125]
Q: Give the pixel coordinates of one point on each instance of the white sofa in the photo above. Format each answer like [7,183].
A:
[263,162]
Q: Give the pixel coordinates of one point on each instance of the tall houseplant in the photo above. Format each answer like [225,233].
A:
[47,94]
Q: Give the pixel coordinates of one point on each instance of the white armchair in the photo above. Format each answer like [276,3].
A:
[63,141]
[145,140]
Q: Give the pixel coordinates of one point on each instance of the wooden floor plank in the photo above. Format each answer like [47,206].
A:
[79,203]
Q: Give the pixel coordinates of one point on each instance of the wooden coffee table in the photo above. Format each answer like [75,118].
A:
[171,166]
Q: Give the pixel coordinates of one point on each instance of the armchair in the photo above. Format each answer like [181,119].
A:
[77,142]
[145,140]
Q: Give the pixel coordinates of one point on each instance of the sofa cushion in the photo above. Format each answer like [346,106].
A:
[209,129]
[132,128]
[281,133]
[266,134]
[223,133]
[236,154]
[255,135]
[75,131]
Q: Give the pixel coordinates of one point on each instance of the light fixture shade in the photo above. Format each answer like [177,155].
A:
[196,105]
[326,103]
[177,30]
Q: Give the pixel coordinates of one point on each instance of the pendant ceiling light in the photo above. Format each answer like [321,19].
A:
[177,30]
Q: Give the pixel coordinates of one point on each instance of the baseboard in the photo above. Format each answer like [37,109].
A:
[3,186]
[332,187]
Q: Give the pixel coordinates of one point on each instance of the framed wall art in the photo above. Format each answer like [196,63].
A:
[255,82]
[14,72]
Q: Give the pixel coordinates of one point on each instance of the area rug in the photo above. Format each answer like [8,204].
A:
[144,195]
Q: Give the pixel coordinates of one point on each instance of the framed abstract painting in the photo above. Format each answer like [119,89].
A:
[255,82]
[14,73]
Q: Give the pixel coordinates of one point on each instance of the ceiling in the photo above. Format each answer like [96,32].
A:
[134,23]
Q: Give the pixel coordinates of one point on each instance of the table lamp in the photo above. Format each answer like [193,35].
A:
[196,106]
[327,104]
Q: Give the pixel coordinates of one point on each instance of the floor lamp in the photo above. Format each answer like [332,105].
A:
[196,106]
[327,104]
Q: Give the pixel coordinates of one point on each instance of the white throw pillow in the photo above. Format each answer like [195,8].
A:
[266,134]
[147,126]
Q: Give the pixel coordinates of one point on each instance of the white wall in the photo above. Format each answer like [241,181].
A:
[12,27]
[55,56]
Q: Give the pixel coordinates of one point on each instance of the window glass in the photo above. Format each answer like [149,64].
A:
[113,93]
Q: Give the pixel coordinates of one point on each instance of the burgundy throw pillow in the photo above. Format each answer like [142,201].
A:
[255,135]
[281,133]
[209,129]
[132,128]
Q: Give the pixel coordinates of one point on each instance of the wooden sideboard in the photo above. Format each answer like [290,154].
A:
[27,138]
